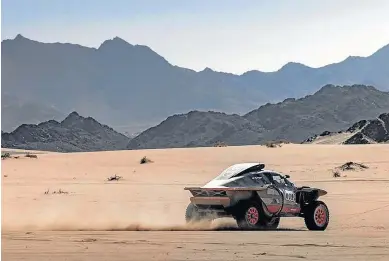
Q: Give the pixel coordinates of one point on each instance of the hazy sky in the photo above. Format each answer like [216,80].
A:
[225,35]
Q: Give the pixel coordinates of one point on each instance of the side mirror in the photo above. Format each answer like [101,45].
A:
[287,176]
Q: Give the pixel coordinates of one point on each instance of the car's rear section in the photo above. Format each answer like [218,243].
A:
[210,203]
[218,201]
[207,203]
[209,197]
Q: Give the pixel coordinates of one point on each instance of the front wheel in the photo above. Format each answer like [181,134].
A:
[317,216]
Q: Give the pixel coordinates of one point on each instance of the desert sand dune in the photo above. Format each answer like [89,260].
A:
[96,219]
[337,138]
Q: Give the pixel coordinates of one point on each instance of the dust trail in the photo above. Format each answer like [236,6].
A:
[199,226]
[105,217]
[65,225]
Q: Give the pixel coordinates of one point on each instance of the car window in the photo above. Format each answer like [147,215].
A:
[288,183]
[258,177]
[265,178]
[276,178]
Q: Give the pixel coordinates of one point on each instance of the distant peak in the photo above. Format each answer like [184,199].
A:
[115,42]
[327,88]
[207,69]
[19,36]
[253,72]
[118,39]
[293,65]
[74,114]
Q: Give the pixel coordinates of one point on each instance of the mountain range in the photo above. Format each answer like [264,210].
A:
[340,113]
[73,134]
[131,87]
[331,108]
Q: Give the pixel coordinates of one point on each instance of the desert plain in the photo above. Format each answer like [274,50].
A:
[141,216]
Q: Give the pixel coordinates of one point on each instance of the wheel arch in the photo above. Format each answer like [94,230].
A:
[254,196]
[306,195]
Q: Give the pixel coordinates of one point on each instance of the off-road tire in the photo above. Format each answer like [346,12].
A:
[317,216]
[193,215]
[250,215]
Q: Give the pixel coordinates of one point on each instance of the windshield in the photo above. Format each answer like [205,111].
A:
[288,182]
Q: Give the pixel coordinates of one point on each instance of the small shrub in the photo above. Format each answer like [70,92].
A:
[336,174]
[60,191]
[5,155]
[116,177]
[145,160]
[275,144]
[29,155]
[352,166]
[272,144]
[283,142]
[220,144]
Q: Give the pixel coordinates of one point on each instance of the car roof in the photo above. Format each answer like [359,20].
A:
[239,168]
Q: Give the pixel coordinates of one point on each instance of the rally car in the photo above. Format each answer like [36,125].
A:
[256,198]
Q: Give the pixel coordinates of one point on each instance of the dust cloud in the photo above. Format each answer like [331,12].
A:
[82,217]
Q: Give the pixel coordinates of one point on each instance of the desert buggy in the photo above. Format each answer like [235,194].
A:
[256,198]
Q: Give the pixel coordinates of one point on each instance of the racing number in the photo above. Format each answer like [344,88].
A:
[290,196]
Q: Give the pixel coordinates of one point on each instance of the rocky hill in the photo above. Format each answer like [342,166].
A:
[331,108]
[362,132]
[74,134]
[121,77]
[198,129]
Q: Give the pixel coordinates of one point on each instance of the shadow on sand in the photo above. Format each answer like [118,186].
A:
[196,228]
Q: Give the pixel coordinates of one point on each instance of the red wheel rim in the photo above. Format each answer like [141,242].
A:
[252,216]
[320,216]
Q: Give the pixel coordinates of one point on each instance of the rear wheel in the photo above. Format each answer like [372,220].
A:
[317,216]
[250,215]
[192,214]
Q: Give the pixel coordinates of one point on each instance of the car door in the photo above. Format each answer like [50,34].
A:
[271,197]
[288,191]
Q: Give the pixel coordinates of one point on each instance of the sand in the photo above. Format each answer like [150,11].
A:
[141,216]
